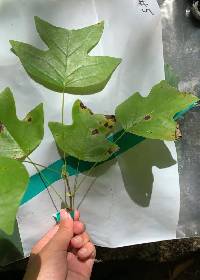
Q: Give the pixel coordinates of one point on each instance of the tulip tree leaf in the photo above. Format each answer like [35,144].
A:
[152,116]
[18,138]
[85,139]
[171,77]
[13,181]
[66,65]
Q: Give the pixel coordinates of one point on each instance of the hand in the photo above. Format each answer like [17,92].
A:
[64,253]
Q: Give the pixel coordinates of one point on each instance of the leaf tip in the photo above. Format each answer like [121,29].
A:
[101,23]
[37,20]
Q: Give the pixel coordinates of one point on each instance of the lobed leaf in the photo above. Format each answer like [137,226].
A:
[85,139]
[153,116]
[13,181]
[18,138]
[66,65]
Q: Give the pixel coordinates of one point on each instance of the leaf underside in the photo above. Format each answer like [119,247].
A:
[85,139]
[152,116]
[66,65]
[18,138]
[13,181]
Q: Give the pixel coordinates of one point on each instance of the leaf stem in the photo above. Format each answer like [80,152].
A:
[67,187]
[118,138]
[64,169]
[43,180]
[46,167]
[86,193]
[76,182]
[92,168]
[85,176]
[63,107]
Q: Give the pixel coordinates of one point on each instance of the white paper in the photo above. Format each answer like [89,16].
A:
[116,211]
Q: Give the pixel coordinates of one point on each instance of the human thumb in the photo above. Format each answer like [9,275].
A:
[63,236]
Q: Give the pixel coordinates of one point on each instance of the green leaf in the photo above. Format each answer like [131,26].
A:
[18,138]
[152,116]
[85,139]
[13,181]
[66,65]
[171,77]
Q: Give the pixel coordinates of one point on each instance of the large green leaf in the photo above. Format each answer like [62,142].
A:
[13,181]
[18,138]
[85,139]
[66,65]
[152,116]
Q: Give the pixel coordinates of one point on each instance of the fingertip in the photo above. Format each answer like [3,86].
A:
[79,227]
[76,215]
[64,215]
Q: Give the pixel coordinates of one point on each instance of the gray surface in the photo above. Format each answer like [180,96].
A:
[181,39]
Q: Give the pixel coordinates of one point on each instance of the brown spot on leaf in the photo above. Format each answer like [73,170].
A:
[86,108]
[112,150]
[111,120]
[95,131]
[82,106]
[147,117]
[29,119]
[110,117]
[91,113]
[178,132]
[1,127]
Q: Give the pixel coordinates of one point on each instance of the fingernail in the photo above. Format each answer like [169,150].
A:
[64,215]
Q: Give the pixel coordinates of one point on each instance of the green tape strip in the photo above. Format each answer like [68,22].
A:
[179,115]
[126,142]
[57,216]
[36,185]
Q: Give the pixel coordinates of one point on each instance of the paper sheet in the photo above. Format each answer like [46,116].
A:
[135,199]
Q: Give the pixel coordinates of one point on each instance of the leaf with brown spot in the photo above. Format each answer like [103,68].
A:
[18,138]
[153,116]
[86,138]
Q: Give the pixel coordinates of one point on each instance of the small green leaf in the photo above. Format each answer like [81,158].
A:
[152,116]
[18,138]
[171,77]
[85,139]
[66,65]
[13,181]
